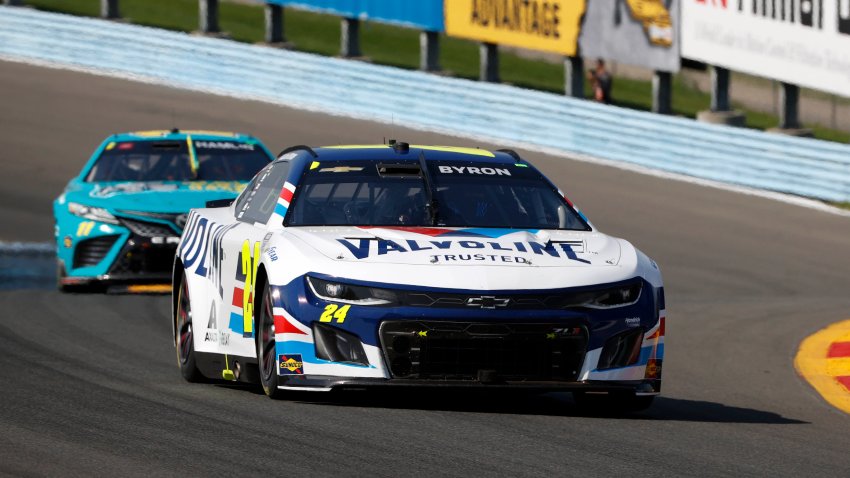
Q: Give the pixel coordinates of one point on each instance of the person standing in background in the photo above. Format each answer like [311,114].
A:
[601,82]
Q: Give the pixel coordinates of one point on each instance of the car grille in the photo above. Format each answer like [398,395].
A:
[487,352]
[561,299]
[148,229]
[144,259]
[91,251]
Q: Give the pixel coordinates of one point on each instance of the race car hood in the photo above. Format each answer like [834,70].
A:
[459,246]
[164,196]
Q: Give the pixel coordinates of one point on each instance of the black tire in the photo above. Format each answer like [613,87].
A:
[615,403]
[60,274]
[184,340]
[266,357]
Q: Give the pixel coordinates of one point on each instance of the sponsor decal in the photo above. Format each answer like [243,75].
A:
[223,186]
[474,170]
[632,321]
[159,240]
[489,251]
[488,302]
[67,242]
[134,187]
[564,332]
[228,145]
[290,364]
[653,369]
[219,337]
[272,252]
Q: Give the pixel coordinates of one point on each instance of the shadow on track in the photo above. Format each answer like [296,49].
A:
[523,403]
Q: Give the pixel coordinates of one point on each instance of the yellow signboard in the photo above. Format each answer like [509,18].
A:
[546,25]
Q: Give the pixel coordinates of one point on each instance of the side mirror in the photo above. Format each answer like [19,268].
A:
[220,202]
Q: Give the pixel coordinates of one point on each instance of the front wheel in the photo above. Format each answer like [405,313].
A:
[266,355]
[184,339]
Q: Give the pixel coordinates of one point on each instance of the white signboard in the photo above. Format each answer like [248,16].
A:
[803,42]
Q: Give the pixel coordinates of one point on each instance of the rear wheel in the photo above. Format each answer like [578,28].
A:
[184,339]
[266,355]
[612,403]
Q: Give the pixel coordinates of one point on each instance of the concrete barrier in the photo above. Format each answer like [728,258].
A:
[501,113]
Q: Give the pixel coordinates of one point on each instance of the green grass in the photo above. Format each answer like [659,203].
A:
[396,46]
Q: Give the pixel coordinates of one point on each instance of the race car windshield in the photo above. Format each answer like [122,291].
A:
[465,194]
[176,161]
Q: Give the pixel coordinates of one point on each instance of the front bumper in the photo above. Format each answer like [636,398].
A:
[91,252]
[318,383]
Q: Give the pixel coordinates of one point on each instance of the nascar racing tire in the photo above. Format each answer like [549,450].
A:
[266,361]
[614,403]
[184,340]
[60,274]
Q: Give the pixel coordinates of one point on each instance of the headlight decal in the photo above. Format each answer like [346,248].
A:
[90,212]
[350,294]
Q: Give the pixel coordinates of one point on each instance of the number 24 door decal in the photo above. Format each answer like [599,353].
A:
[250,262]
[249,265]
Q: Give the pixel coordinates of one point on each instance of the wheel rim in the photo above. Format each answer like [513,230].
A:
[267,342]
[184,323]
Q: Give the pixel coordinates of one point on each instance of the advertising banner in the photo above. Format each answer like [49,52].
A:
[636,32]
[803,42]
[421,14]
[546,25]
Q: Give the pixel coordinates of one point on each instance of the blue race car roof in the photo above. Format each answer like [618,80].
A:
[432,153]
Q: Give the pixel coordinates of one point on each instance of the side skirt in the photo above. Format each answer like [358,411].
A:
[233,368]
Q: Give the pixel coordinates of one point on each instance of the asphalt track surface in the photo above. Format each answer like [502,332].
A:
[89,384]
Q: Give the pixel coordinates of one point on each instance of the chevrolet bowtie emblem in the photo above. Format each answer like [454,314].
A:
[487,302]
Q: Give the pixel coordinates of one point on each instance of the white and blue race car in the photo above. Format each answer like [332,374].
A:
[367,266]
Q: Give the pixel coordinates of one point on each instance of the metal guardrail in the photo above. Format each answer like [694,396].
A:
[500,113]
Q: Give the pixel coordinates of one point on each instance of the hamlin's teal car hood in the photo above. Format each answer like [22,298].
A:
[160,196]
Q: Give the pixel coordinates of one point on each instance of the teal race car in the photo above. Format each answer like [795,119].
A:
[119,221]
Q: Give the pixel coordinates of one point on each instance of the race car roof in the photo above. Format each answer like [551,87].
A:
[180,135]
[383,152]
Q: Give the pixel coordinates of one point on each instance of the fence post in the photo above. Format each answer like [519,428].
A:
[662,92]
[429,51]
[719,89]
[789,112]
[350,38]
[208,16]
[489,58]
[109,9]
[574,76]
[274,23]
[789,101]
[721,108]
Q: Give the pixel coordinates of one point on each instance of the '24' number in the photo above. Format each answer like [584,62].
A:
[333,311]
[249,268]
